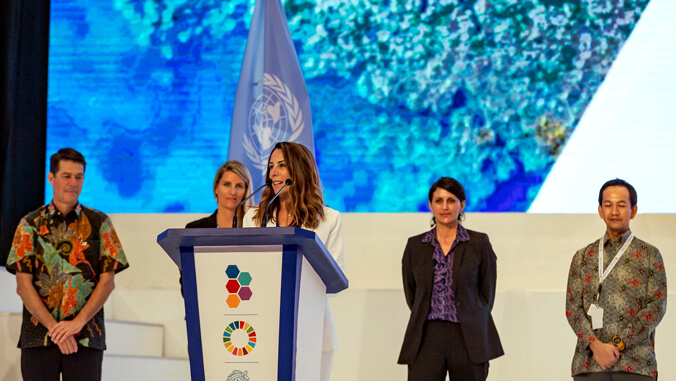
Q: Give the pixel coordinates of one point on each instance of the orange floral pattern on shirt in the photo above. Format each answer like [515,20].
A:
[70,304]
[77,255]
[65,255]
[26,246]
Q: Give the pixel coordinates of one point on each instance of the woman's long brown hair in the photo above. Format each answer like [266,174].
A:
[306,201]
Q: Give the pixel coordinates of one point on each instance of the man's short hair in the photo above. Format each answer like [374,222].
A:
[633,197]
[65,154]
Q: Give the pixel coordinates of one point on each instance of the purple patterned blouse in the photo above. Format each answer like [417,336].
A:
[443,298]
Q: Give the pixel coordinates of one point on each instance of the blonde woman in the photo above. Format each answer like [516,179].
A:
[301,204]
[232,184]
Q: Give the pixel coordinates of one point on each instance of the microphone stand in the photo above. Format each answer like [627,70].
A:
[235,218]
[265,216]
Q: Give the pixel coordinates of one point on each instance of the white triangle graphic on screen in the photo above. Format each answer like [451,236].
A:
[629,128]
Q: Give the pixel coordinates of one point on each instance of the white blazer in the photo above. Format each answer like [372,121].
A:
[330,231]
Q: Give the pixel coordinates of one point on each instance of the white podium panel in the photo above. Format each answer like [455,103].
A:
[239,316]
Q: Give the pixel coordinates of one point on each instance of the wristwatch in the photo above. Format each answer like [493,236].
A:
[618,343]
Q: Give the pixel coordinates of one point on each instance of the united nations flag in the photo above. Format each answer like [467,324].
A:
[272,103]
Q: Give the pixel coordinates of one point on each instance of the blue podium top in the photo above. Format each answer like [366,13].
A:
[312,247]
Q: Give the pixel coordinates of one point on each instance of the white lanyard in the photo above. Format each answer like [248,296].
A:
[604,274]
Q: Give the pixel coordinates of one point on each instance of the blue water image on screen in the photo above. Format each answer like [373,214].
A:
[402,92]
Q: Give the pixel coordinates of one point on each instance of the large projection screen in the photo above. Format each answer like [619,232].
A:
[532,105]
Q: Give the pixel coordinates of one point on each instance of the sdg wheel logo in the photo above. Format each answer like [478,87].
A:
[239,338]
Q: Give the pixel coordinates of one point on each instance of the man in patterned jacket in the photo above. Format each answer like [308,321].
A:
[65,257]
[616,296]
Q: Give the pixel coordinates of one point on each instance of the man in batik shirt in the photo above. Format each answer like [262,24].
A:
[65,257]
[615,308]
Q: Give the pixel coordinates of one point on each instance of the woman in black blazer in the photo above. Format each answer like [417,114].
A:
[449,277]
[232,184]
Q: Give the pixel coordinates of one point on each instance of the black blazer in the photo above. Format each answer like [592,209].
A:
[474,278]
[206,222]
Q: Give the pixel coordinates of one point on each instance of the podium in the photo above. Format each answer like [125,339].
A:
[255,300]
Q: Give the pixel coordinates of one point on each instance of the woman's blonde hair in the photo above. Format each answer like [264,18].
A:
[240,170]
[306,201]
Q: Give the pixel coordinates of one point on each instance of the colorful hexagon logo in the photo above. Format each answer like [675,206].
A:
[237,286]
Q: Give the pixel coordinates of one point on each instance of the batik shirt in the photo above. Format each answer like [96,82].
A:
[633,297]
[66,255]
[442,304]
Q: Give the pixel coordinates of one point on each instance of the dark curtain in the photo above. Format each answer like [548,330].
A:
[24,43]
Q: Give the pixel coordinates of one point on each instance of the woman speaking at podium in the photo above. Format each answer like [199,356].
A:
[449,281]
[294,178]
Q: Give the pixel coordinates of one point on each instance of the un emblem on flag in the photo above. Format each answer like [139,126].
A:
[274,117]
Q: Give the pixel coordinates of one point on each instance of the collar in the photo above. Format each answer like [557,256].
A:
[461,235]
[52,210]
[620,240]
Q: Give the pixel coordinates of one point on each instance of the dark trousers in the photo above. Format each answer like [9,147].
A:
[443,351]
[47,363]
[612,376]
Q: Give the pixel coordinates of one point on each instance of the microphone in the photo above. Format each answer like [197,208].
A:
[235,218]
[265,216]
